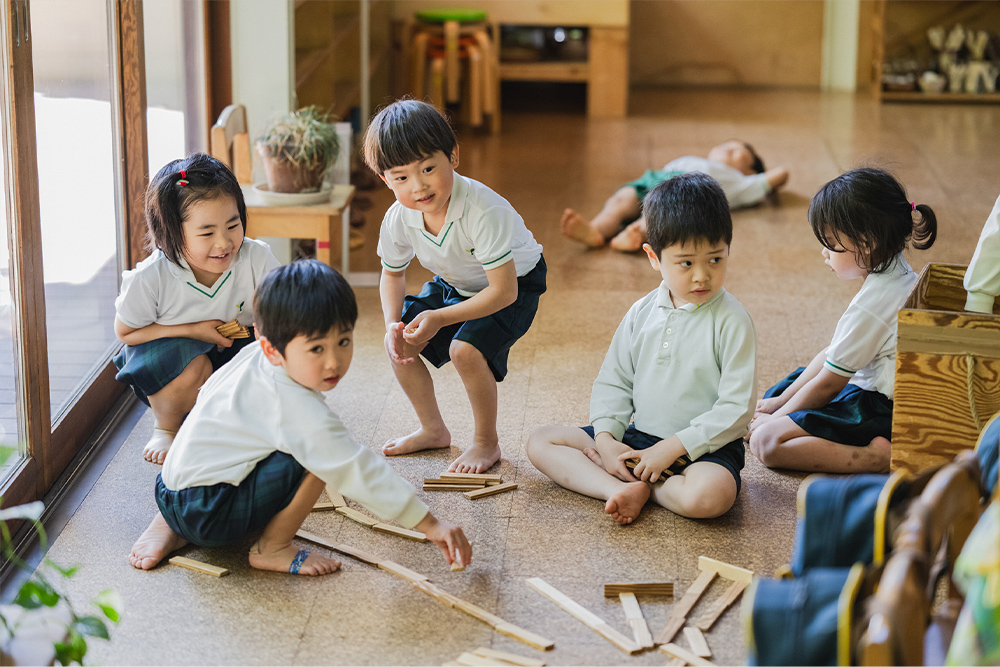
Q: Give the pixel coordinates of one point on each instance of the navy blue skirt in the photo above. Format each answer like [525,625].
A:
[221,514]
[731,456]
[151,366]
[492,335]
[855,416]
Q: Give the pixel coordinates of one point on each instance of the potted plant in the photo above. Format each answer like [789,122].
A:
[297,149]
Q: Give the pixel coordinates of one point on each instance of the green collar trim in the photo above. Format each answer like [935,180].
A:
[212,295]
[431,238]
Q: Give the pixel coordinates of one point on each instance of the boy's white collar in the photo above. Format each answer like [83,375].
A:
[663,299]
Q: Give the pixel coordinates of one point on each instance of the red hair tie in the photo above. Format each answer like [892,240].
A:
[913,205]
[183,179]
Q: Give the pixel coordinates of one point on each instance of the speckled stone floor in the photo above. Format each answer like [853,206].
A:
[947,156]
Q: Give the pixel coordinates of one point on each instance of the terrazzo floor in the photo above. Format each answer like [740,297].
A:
[948,156]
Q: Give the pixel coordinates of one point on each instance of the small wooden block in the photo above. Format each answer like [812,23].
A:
[636,621]
[473,660]
[400,571]
[355,515]
[457,566]
[631,463]
[323,507]
[452,487]
[473,483]
[671,662]
[584,615]
[525,637]
[490,490]
[336,498]
[472,476]
[724,570]
[690,658]
[198,566]
[401,532]
[656,588]
[712,614]
[697,642]
[511,658]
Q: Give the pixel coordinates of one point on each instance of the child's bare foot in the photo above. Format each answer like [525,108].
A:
[624,506]
[477,458]
[154,544]
[629,239]
[881,448]
[575,227]
[293,560]
[156,449]
[417,441]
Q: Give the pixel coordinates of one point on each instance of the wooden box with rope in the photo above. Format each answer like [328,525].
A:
[947,371]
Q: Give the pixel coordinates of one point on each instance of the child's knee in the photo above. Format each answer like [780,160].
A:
[765,445]
[194,374]
[465,355]
[707,500]
[537,441]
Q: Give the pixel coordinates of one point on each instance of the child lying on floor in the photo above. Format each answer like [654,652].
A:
[734,164]
[261,444]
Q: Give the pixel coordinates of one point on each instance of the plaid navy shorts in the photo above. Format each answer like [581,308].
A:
[221,514]
[731,456]
[492,335]
[151,366]
[855,416]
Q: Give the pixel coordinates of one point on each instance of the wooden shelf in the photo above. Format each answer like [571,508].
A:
[545,71]
[964,98]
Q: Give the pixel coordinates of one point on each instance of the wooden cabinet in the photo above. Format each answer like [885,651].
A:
[899,30]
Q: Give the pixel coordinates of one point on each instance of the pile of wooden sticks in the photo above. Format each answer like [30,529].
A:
[233,329]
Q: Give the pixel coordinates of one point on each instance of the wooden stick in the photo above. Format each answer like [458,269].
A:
[525,637]
[323,507]
[697,642]
[473,660]
[198,566]
[471,483]
[633,614]
[512,658]
[336,498]
[690,658]
[401,532]
[457,566]
[471,476]
[584,615]
[490,490]
[400,571]
[712,614]
[657,588]
[724,570]
[631,463]
[452,487]
[679,612]
[357,554]
[355,515]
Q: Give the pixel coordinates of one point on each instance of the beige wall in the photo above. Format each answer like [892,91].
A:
[726,42]
[532,12]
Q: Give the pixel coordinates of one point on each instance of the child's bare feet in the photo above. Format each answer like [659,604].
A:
[575,227]
[156,449]
[417,441]
[291,559]
[477,458]
[624,506]
[154,544]
[881,448]
[629,239]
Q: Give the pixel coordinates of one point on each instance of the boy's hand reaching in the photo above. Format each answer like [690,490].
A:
[206,331]
[422,328]
[395,346]
[654,460]
[609,450]
[448,537]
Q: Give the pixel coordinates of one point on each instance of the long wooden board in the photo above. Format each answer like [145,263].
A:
[584,615]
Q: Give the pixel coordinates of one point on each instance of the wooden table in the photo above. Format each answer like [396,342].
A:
[316,221]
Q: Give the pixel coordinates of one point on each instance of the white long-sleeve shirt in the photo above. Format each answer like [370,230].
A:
[982,280]
[688,371]
[741,189]
[249,409]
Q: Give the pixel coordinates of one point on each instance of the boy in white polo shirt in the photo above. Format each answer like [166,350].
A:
[681,369]
[489,275]
[261,443]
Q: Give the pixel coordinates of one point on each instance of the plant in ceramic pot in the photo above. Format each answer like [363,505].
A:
[297,149]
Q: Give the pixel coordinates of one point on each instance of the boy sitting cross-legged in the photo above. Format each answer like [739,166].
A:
[261,444]
[681,368]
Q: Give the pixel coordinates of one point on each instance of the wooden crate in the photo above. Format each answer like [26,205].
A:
[947,371]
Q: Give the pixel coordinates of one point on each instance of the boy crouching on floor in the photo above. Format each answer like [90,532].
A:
[681,369]
[261,444]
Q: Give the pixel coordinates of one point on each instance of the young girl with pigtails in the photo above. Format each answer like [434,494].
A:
[835,415]
[202,273]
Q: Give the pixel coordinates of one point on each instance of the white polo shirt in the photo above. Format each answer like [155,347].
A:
[157,291]
[481,231]
[864,344]
[741,190]
[249,409]
[982,280]
[688,371]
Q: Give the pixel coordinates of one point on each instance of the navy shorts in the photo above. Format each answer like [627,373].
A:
[151,366]
[855,416]
[221,514]
[731,456]
[492,335]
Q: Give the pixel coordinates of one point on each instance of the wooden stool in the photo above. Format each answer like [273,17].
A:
[442,39]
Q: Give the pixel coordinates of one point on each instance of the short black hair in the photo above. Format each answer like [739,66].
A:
[869,208]
[758,164]
[304,298]
[170,194]
[689,207]
[406,131]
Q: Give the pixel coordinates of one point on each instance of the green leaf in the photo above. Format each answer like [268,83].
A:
[64,571]
[110,603]
[29,511]
[91,625]
[72,652]
[35,594]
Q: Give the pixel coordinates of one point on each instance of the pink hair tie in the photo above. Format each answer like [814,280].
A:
[183,179]
[913,206]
